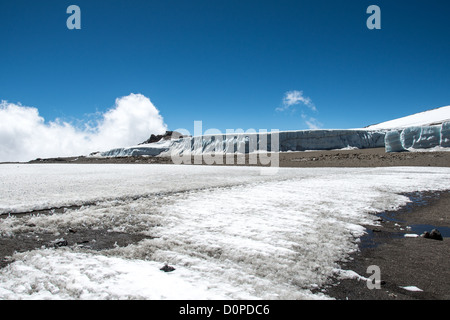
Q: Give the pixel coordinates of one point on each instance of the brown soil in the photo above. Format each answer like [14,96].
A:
[404,261]
[334,158]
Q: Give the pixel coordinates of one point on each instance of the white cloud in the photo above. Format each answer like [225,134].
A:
[311,122]
[25,135]
[292,98]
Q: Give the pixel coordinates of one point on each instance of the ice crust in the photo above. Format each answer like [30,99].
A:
[413,138]
[253,142]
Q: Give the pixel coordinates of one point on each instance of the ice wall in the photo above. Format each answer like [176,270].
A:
[151,149]
[393,142]
[445,135]
[330,139]
[133,152]
[254,142]
[424,137]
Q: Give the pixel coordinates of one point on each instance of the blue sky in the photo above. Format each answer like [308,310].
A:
[228,63]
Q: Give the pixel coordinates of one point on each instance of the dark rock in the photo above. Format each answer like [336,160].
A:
[434,234]
[167,268]
[167,136]
[426,234]
[60,243]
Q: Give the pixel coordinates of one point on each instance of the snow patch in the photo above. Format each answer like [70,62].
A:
[412,288]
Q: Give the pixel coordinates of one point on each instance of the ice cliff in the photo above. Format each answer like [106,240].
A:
[423,130]
[254,142]
[150,149]
[424,137]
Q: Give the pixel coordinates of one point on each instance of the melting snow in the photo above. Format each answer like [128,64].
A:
[230,232]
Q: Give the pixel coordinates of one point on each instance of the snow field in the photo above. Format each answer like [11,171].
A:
[229,232]
[426,118]
[41,186]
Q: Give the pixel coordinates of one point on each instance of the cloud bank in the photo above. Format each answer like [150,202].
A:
[25,135]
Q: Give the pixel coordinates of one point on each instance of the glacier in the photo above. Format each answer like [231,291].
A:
[418,137]
[393,140]
[431,117]
[150,149]
[250,142]
[445,135]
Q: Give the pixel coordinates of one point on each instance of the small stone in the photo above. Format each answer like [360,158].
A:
[426,234]
[167,268]
[436,235]
[60,243]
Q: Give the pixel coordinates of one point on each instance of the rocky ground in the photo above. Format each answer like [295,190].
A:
[403,261]
[334,158]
